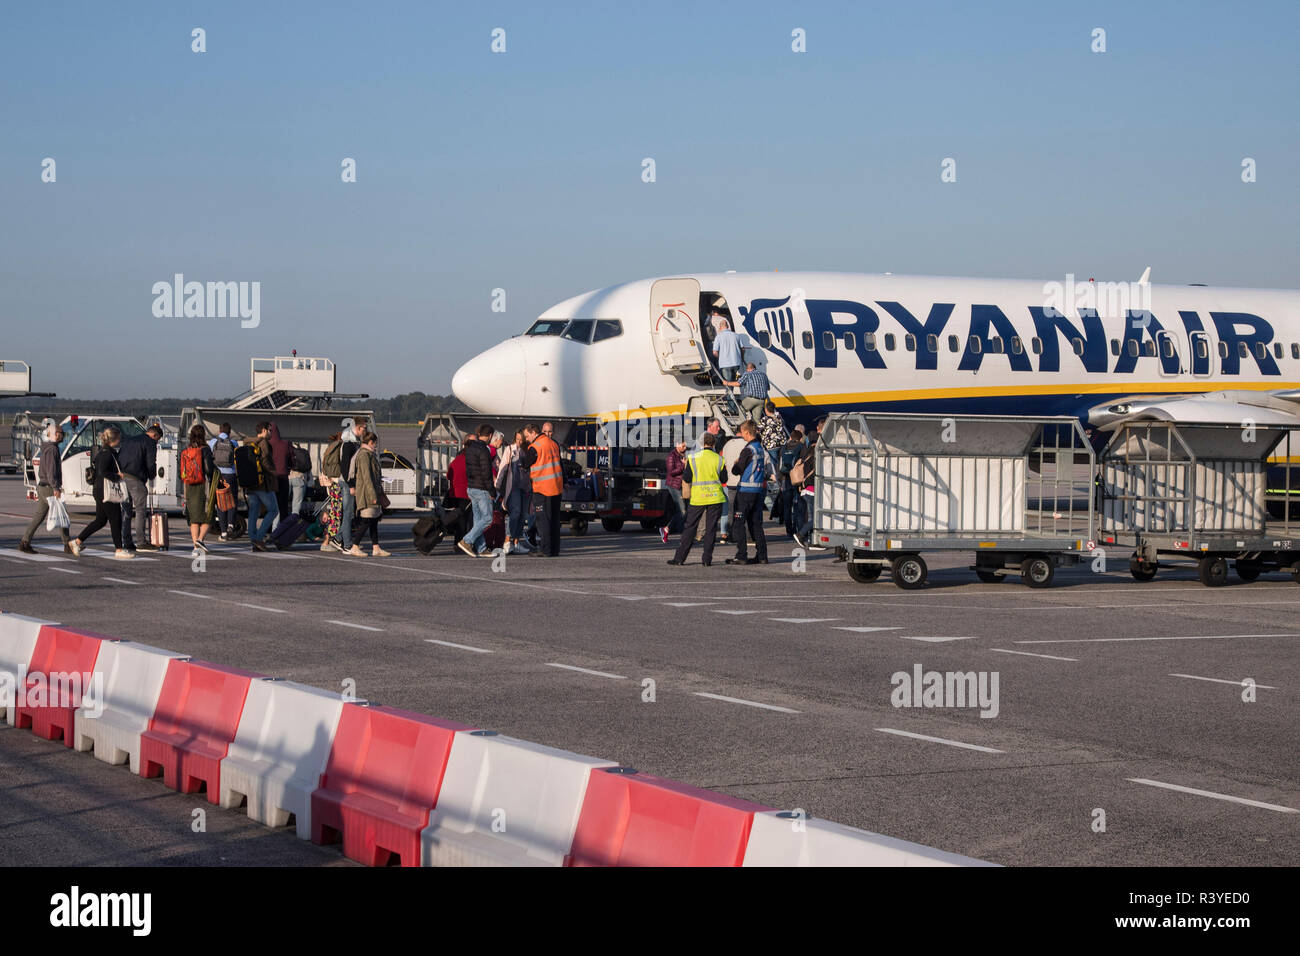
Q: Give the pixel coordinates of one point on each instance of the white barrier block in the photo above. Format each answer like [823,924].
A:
[779,839]
[279,751]
[132,678]
[506,802]
[18,636]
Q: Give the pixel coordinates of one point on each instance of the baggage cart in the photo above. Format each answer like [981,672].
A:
[1201,492]
[1015,491]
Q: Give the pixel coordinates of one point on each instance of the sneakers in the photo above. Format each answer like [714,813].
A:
[223,536]
[123,555]
[674,561]
[67,548]
[195,552]
[201,546]
[328,545]
[799,541]
[76,547]
[259,546]
[355,551]
[466,548]
[377,552]
[26,547]
[147,547]
[663,534]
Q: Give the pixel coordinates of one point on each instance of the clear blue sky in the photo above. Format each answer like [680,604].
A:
[522,170]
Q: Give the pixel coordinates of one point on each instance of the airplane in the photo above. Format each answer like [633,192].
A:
[838,342]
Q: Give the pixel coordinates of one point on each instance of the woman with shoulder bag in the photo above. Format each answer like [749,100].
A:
[110,494]
[368,480]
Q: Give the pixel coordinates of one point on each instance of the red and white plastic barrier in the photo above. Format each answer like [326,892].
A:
[506,802]
[789,838]
[61,672]
[18,636]
[131,677]
[283,743]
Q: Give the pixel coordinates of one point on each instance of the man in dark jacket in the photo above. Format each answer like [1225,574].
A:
[281,460]
[137,458]
[479,479]
[49,484]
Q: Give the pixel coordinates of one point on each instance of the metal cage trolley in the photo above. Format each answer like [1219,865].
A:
[1206,492]
[1016,491]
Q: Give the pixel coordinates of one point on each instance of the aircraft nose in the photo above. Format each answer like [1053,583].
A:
[492,382]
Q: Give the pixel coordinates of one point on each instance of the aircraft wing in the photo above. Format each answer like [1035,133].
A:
[1228,407]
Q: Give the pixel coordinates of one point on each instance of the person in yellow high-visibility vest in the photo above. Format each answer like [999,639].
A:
[706,472]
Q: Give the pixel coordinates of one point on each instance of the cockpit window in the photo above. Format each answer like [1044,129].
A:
[579,330]
[607,329]
[547,327]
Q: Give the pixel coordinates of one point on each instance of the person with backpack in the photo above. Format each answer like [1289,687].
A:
[331,516]
[227,500]
[368,486]
[789,456]
[281,462]
[197,467]
[253,470]
[49,484]
[110,492]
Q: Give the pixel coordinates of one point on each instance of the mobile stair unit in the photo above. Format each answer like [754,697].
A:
[1014,491]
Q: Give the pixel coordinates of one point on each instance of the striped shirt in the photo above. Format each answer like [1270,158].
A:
[753,384]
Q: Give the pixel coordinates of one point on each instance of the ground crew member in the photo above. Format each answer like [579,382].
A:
[543,462]
[751,466]
[706,472]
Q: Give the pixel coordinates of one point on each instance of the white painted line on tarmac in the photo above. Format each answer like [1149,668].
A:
[688,604]
[747,703]
[1050,657]
[189,555]
[258,607]
[584,670]
[742,612]
[631,597]
[1191,637]
[1220,680]
[866,630]
[933,640]
[459,647]
[359,627]
[803,620]
[120,580]
[939,740]
[94,553]
[496,579]
[1213,795]
[65,570]
[39,558]
[206,597]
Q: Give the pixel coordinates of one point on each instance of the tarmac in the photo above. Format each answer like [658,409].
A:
[1121,735]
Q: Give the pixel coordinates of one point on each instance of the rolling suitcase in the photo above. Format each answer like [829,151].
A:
[288,531]
[426,534]
[495,535]
[159,532]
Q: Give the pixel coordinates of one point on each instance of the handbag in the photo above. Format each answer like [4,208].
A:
[115,491]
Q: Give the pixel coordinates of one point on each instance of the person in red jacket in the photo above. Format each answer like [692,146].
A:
[281,462]
[458,494]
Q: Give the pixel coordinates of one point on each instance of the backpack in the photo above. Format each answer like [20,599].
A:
[248,467]
[330,463]
[301,460]
[796,473]
[223,453]
[192,466]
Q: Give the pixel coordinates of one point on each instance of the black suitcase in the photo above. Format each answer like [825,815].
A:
[426,534]
[288,531]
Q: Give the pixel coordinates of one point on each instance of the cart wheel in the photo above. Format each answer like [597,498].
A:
[1213,572]
[1248,570]
[864,573]
[612,524]
[578,526]
[988,577]
[1037,571]
[909,572]
[1142,570]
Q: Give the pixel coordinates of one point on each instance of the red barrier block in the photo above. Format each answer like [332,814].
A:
[636,819]
[61,673]
[196,719]
[383,777]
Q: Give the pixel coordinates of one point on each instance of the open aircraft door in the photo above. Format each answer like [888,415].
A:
[675,325]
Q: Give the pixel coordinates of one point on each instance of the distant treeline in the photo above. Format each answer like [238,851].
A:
[410,407]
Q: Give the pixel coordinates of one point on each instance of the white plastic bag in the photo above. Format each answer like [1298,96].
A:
[58,516]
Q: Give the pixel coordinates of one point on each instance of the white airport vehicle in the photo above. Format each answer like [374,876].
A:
[81,439]
[1014,491]
[855,342]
